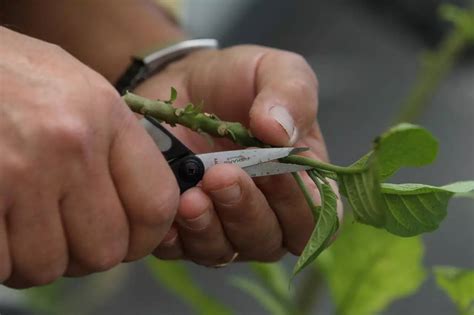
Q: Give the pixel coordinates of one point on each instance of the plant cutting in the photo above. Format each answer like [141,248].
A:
[401,209]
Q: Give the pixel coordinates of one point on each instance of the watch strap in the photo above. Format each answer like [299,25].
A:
[145,65]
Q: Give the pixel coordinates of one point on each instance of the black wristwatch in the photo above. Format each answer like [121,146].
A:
[145,65]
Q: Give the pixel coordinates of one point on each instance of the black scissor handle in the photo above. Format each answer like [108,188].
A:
[188,171]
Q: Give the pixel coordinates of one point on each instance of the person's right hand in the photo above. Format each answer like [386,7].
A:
[82,186]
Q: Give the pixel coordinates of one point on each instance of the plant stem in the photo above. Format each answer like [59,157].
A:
[307,195]
[301,160]
[192,118]
[435,66]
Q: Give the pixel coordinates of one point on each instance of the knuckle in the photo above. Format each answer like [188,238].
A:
[296,58]
[274,256]
[297,245]
[43,273]
[300,62]
[68,134]
[48,266]
[272,251]
[44,277]
[107,95]
[161,210]
[299,86]
[105,258]
[14,167]
[296,248]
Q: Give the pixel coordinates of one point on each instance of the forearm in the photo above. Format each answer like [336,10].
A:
[102,34]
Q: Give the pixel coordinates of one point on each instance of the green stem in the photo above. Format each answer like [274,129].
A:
[306,193]
[203,122]
[435,66]
[301,160]
[192,118]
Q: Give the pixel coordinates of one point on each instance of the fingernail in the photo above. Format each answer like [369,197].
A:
[283,117]
[199,223]
[228,195]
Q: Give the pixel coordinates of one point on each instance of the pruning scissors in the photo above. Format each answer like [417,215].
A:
[189,168]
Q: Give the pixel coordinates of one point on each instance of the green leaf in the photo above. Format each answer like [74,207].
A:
[173,96]
[326,225]
[367,269]
[268,301]
[413,209]
[405,209]
[459,285]
[404,145]
[275,278]
[176,278]
[362,191]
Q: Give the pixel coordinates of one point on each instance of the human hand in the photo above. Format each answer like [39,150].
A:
[82,186]
[274,93]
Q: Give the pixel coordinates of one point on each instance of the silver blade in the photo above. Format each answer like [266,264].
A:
[159,137]
[246,157]
[274,168]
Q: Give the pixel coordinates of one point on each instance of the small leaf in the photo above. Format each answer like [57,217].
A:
[367,269]
[404,145]
[413,209]
[261,294]
[326,225]
[176,278]
[459,285]
[190,109]
[173,96]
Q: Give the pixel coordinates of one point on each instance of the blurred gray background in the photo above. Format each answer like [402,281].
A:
[365,54]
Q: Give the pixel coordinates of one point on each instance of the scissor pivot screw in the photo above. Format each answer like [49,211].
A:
[191,170]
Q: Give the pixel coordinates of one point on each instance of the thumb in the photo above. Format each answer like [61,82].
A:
[286,103]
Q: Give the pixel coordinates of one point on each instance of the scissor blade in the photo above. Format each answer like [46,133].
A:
[168,144]
[246,157]
[274,168]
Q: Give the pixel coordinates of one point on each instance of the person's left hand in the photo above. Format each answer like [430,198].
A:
[274,93]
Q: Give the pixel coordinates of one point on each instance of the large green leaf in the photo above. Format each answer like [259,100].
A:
[175,277]
[406,209]
[326,225]
[458,283]
[367,269]
[413,209]
[404,145]
[362,191]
